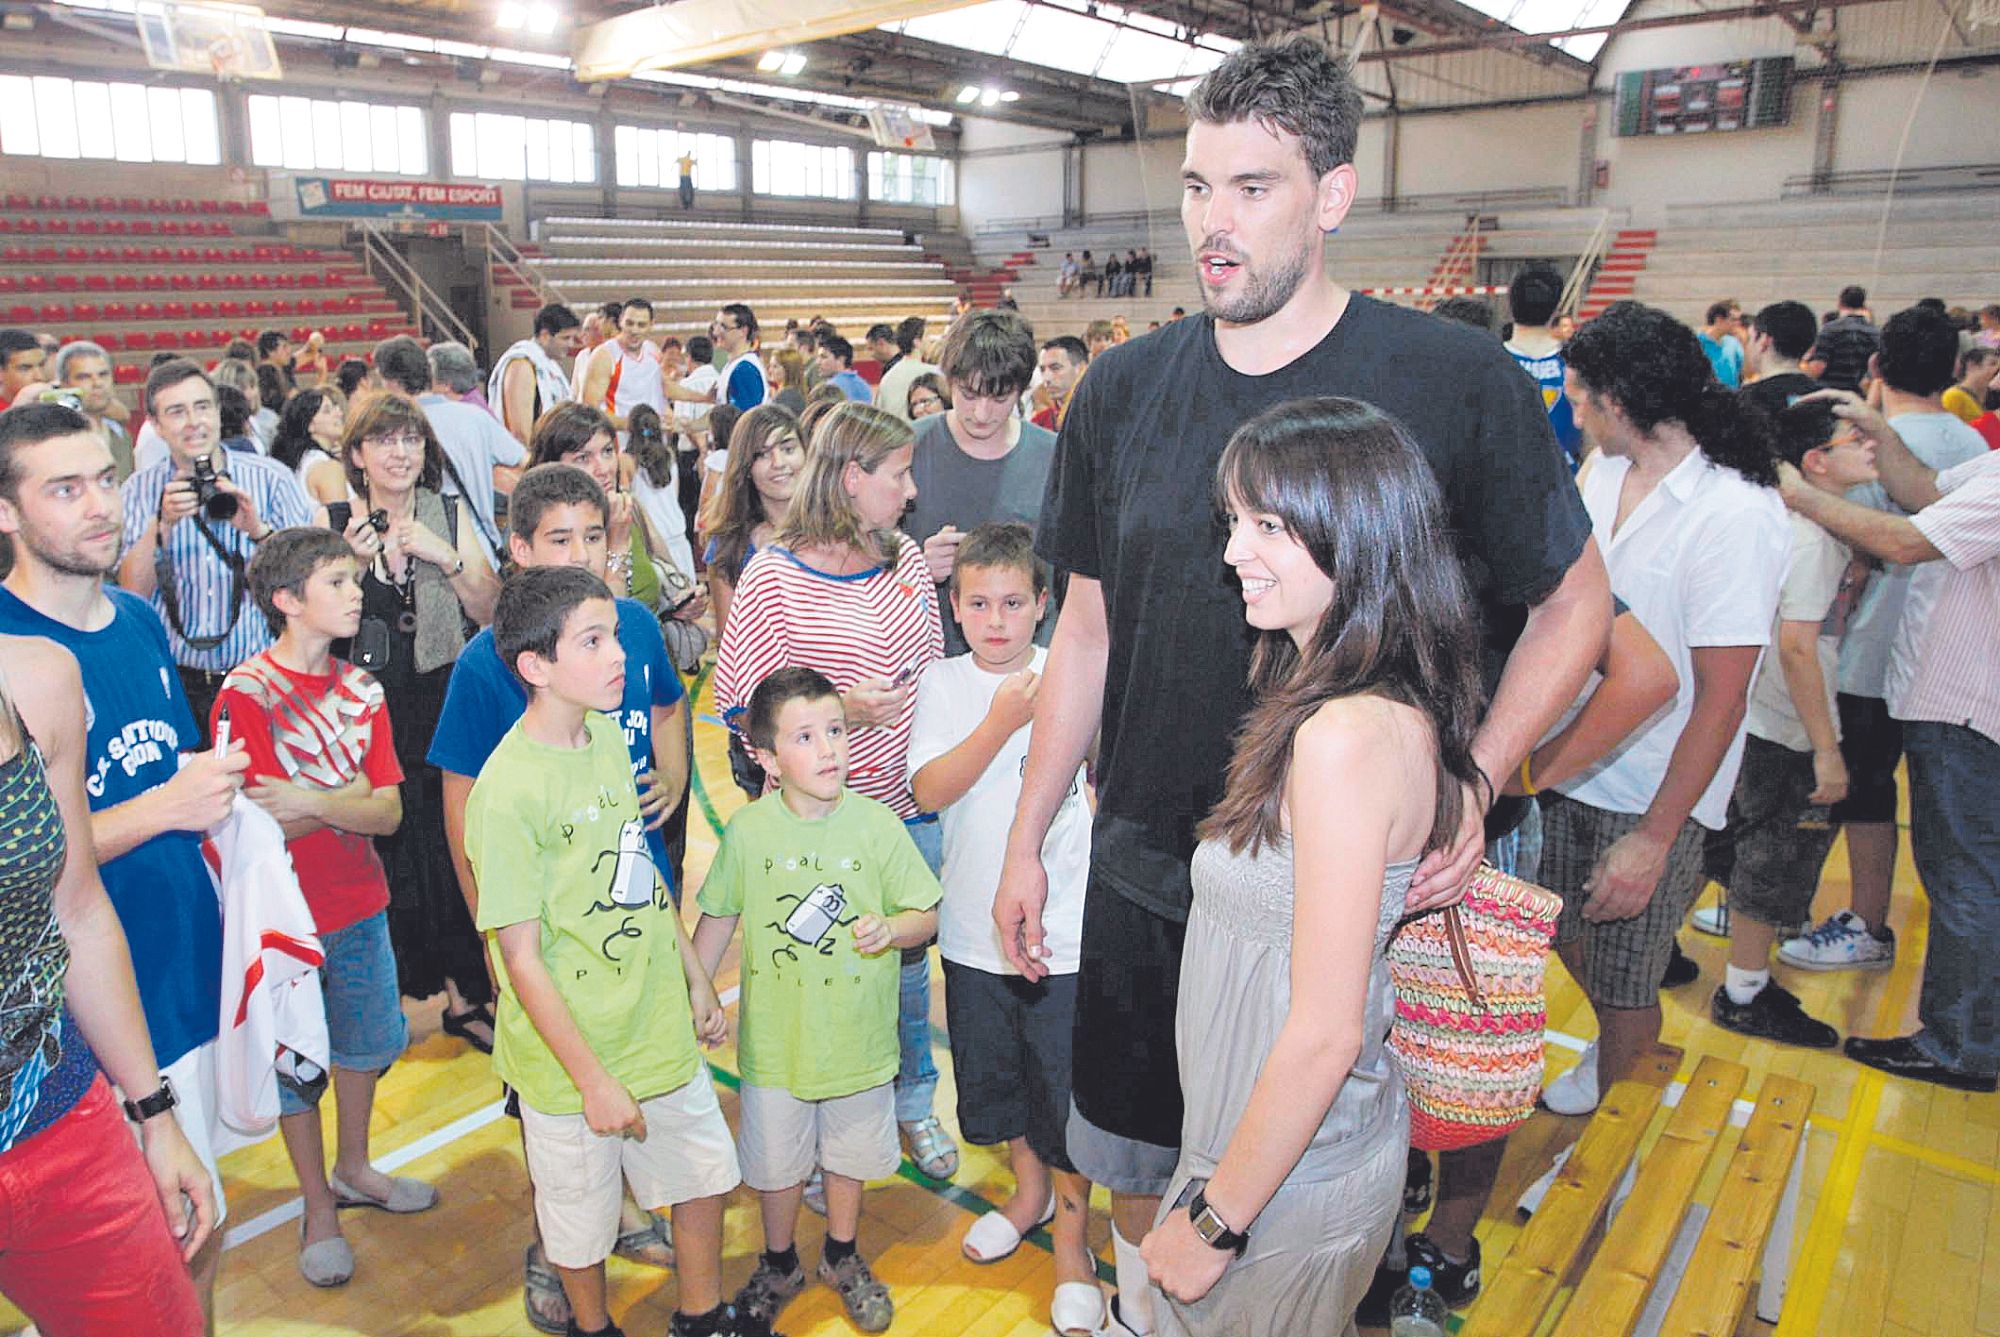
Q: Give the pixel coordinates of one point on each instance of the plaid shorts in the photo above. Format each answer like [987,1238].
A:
[1624,960]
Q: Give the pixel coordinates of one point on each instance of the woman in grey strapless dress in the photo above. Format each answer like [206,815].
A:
[1351,766]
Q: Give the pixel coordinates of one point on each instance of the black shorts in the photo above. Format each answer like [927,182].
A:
[1125,1075]
[1871,743]
[1010,1052]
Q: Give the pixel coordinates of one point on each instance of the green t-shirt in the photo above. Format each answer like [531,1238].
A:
[818,1019]
[554,835]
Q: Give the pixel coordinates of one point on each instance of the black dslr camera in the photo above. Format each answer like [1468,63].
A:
[215,503]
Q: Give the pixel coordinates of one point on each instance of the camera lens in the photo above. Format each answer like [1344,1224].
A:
[378,520]
[221,506]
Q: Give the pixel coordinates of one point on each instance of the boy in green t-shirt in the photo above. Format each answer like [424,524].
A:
[601,997]
[826,882]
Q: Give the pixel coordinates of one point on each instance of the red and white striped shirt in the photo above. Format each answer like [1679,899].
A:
[1945,665]
[873,624]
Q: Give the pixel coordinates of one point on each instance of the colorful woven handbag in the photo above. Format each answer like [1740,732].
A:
[1470,1011]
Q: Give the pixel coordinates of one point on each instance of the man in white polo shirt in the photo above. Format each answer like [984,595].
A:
[1944,685]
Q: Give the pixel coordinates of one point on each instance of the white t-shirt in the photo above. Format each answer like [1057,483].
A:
[1700,562]
[1812,584]
[952,698]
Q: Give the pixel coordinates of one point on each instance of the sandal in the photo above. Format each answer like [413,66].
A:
[542,1294]
[405,1196]
[328,1262]
[993,1237]
[931,1147]
[651,1244]
[1078,1308]
[460,1024]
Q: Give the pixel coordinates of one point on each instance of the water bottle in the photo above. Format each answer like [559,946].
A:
[1416,1310]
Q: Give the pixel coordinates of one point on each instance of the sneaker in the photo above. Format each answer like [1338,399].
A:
[1457,1284]
[1712,919]
[1417,1184]
[1575,1092]
[1774,1014]
[869,1307]
[1841,943]
[768,1291]
[733,1323]
[1681,969]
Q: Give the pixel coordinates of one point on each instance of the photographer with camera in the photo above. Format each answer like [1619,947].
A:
[191,523]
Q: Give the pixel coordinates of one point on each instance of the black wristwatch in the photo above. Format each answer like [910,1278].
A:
[1213,1231]
[162,1100]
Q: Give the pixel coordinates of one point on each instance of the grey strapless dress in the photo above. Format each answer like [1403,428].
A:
[1313,1250]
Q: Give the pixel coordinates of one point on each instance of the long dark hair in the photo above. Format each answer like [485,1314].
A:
[294,435]
[646,439]
[736,508]
[1354,491]
[1651,366]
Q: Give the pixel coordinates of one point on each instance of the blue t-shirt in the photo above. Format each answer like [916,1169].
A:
[1725,355]
[484,700]
[137,722]
[1547,374]
[852,385]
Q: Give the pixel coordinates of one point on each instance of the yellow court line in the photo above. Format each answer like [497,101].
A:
[1806,1295]
[1943,1160]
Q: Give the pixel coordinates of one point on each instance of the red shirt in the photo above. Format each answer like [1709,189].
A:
[319,731]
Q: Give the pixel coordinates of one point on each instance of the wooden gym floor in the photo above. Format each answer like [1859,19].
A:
[1898,1234]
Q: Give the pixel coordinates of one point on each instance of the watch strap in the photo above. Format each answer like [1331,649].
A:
[150,1107]
[1212,1229]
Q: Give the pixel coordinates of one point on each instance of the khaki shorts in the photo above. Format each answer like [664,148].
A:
[783,1137]
[193,1076]
[687,1155]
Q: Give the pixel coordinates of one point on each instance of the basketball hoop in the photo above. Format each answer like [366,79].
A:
[227,58]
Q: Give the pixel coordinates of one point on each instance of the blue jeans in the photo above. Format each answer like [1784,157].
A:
[1519,852]
[917,1076]
[1955,837]
[364,1012]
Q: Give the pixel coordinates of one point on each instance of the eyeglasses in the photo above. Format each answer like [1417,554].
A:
[179,413]
[403,443]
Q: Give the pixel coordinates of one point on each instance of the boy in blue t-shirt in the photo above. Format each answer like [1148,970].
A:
[825,882]
[557,517]
[1532,299]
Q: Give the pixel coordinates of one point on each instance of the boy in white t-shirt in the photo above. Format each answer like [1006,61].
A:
[1779,829]
[1010,1038]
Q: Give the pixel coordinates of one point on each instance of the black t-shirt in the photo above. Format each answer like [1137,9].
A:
[1131,504]
[1773,393]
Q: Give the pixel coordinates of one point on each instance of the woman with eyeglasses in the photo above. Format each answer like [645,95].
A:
[929,396]
[424,580]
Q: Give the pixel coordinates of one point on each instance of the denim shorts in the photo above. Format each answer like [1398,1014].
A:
[364,1008]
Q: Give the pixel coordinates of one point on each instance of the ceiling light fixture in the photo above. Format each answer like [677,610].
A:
[541,19]
[989,97]
[967,94]
[512,17]
[1010,96]
[769,62]
[794,62]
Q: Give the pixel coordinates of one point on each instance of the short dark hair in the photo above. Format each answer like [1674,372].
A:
[1295,85]
[15,340]
[271,387]
[744,316]
[545,487]
[990,353]
[268,341]
[1803,426]
[1070,347]
[1718,311]
[403,364]
[554,319]
[839,347]
[286,560]
[880,331]
[700,349]
[240,349]
[1854,297]
[909,330]
[1919,353]
[779,687]
[534,606]
[1789,326]
[170,374]
[348,376]
[1465,311]
[631,302]
[232,406]
[30,425]
[1533,294]
[1009,546]
[611,310]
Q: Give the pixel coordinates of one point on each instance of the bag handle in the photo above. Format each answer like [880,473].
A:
[1461,956]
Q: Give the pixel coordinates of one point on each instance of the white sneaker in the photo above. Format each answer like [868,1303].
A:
[1712,919]
[1575,1092]
[1531,1200]
[1841,943]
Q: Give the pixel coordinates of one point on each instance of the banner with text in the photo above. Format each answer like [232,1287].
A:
[363,197]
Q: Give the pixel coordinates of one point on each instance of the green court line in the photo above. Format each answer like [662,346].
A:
[694,762]
[951,1193]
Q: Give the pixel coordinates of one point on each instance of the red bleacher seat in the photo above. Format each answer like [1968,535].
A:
[30,226]
[228,310]
[351,331]
[84,311]
[104,204]
[145,311]
[129,374]
[8,283]
[34,283]
[116,227]
[66,283]
[54,311]
[88,227]
[281,307]
[124,282]
[173,310]
[260,280]
[167,339]
[110,343]
[138,341]
[208,206]
[256,307]
[16,200]
[202,310]
[153,282]
[310,280]
[56,226]
[140,227]
[209,282]
[308,306]
[6,225]
[20,314]
[115,311]
[74,254]
[219,230]
[76,203]
[131,205]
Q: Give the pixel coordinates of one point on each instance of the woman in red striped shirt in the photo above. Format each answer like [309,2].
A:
[841,590]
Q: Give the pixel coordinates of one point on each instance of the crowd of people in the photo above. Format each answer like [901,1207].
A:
[1156,681]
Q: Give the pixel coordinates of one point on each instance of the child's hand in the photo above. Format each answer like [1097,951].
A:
[610,1111]
[1829,778]
[871,935]
[711,1023]
[1014,704]
[653,799]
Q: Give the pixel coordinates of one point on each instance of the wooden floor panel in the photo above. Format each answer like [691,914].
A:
[1899,1222]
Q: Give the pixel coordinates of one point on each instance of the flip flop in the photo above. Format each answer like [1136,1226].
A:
[993,1237]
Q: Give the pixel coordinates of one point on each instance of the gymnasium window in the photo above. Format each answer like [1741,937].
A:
[781,167]
[314,134]
[74,118]
[491,146]
[652,158]
[908,178]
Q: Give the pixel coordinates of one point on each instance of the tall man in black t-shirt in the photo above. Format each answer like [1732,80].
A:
[1152,646]
[1780,335]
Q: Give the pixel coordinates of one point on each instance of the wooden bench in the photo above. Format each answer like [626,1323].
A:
[1748,1226]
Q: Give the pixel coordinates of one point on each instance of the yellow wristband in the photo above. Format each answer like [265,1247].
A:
[1527,781]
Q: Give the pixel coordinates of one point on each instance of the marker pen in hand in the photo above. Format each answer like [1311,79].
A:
[222,733]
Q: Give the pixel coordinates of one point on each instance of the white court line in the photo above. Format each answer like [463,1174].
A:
[436,1140]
